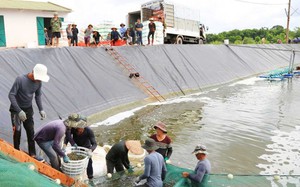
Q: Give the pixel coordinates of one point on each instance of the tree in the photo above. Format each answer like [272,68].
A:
[252,36]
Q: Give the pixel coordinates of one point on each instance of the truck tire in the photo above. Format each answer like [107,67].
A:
[179,41]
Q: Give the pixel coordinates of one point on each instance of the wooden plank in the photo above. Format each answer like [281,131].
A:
[41,167]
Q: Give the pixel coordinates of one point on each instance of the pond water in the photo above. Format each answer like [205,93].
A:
[250,127]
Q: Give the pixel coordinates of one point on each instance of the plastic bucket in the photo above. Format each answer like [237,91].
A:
[75,167]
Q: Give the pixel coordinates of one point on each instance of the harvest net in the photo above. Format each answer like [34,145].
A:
[17,174]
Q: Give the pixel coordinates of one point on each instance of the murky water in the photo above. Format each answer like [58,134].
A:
[251,127]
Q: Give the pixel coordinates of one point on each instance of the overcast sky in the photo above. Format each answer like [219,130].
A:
[218,15]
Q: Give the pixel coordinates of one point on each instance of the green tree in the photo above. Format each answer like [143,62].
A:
[252,36]
[248,40]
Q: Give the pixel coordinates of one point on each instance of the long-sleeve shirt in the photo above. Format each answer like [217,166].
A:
[118,152]
[52,131]
[123,31]
[155,170]
[115,35]
[86,139]
[152,27]
[203,167]
[21,93]
[165,147]
[74,32]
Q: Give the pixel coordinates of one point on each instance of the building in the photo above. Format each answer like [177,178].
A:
[22,23]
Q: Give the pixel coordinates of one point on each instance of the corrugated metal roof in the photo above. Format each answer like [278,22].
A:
[31,5]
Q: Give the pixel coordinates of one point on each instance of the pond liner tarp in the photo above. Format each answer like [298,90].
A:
[89,80]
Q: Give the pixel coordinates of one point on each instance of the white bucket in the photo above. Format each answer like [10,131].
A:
[75,167]
[226,41]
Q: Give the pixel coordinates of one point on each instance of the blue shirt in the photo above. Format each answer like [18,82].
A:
[123,31]
[155,170]
[52,131]
[203,167]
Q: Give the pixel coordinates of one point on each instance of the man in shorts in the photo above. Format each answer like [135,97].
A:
[56,26]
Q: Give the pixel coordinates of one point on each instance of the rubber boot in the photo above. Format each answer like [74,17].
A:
[17,138]
[152,41]
[148,41]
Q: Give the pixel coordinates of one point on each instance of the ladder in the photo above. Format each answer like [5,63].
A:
[139,81]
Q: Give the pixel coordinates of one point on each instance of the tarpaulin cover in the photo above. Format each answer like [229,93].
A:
[88,80]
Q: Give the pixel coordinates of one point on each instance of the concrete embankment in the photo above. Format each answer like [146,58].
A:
[89,80]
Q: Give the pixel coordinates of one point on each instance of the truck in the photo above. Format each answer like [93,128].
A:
[181,25]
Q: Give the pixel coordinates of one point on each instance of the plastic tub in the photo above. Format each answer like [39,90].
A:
[76,167]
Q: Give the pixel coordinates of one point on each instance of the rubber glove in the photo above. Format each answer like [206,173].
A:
[64,148]
[43,114]
[66,159]
[22,115]
[75,145]
[90,153]
[166,158]
[130,169]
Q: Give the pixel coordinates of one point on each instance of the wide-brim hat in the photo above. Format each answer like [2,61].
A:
[151,19]
[76,121]
[55,13]
[113,27]
[150,145]
[161,126]
[200,149]
[40,73]
[122,24]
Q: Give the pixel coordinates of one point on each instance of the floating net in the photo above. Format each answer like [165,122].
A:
[17,174]
[174,178]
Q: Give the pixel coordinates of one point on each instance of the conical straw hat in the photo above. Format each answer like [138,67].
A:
[134,146]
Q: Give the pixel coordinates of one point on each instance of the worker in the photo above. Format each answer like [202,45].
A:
[152,29]
[114,36]
[203,166]
[139,32]
[87,34]
[97,36]
[117,156]
[83,136]
[122,30]
[21,96]
[163,140]
[155,169]
[49,138]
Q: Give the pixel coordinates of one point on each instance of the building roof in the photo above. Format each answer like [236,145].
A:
[31,5]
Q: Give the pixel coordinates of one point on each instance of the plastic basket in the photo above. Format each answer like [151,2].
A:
[76,167]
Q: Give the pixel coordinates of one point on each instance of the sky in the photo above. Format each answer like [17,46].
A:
[218,15]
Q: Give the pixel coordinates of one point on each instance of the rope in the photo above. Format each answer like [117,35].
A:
[265,48]
[255,175]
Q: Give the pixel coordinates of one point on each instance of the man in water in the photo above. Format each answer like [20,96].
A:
[203,166]
[155,168]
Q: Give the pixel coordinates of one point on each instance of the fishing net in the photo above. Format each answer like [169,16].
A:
[174,178]
[17,174]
